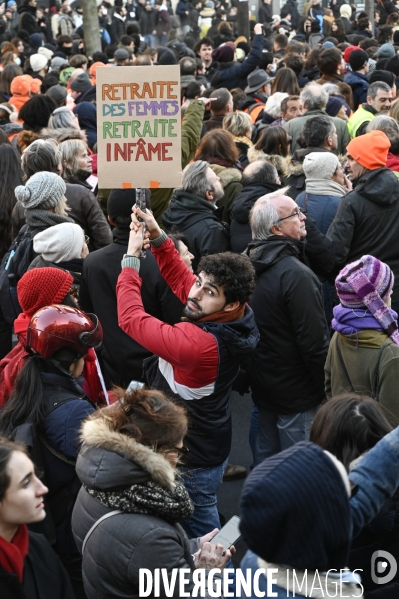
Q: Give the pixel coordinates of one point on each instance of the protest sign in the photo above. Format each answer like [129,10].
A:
[138,127]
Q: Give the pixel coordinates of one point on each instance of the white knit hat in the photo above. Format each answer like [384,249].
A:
[59,243]
[43,189]
[320,165]
[38,62]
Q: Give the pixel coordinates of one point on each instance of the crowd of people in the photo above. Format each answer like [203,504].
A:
[272,271]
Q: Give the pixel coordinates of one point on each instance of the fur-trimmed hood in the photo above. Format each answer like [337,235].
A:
[281,163]
[110,460]
[226,175]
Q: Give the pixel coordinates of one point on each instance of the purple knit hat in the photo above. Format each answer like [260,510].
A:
[367,283]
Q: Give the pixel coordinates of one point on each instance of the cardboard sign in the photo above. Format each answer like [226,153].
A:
[138,127]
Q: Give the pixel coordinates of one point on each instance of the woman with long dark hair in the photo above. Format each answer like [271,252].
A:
[7,75]
[286,82]
[28,565]
[338,31]
[10,177]
[219,149]
[273,145]
[48,394]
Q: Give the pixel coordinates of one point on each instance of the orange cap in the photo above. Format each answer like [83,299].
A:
[370,150]
[20,85]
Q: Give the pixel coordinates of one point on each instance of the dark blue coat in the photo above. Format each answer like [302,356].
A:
[61,428]
[321,208]
[359,84]
[235,75]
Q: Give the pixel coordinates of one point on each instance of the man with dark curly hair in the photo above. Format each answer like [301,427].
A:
[195,361]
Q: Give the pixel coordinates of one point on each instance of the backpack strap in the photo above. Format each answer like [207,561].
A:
[93,528]
[343,365]
[60,456]
[376,385]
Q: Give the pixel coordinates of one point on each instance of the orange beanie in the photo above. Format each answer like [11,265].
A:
[370,150]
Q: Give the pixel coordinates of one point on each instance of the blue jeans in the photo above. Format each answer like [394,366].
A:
[202,485]
[277,432]
[150,40]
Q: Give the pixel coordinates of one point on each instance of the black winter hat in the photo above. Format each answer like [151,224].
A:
[384,75]
[295,510]
[166,56]
[120,202]
[357,59]
[392,65]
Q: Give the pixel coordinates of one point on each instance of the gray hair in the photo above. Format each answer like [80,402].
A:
[383,122]
[70,152]
[41,155]
[264,215]
[314,97]
[195,179]
[331,88]
[62,117]
[259,171]
[374,87]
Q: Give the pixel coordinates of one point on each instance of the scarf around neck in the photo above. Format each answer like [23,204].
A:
[349,321]
[13,553]
[325,187]
[173,505]
[35,218]
[223,316]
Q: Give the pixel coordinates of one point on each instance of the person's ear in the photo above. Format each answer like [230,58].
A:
[209,195]
[275,230]
[231,306]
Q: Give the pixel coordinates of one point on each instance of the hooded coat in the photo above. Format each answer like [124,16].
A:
[367,222]
[287,366]
[87,116]
[27,19]
[121,545]
[359,84]
[199,220]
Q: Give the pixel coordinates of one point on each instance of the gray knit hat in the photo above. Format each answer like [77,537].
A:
[320,165]
[44,190]
[59,243]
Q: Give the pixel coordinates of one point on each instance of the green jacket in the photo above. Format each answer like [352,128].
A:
[190,139]
[294,127]
[360,355]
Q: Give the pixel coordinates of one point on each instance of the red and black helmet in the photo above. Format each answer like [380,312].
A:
[60,327]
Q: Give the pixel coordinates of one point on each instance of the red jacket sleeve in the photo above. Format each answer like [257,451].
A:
[177,275]
[172,343]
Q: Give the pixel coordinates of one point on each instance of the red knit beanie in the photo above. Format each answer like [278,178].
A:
[41,287]
[370,150]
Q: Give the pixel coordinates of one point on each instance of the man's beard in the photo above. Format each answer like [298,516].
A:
[192,314]
[82,175]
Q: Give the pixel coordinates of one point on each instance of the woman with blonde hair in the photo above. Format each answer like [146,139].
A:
[239,124]
[76,162]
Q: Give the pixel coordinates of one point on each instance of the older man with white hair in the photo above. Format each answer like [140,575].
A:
[287,366]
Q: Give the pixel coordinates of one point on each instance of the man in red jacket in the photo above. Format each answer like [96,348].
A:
[195,361]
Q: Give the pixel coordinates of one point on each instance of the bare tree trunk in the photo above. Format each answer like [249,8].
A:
[91,27]
[369,8]
[243,19]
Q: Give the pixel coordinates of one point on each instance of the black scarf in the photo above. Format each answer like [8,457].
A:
[37,218]
[148,498]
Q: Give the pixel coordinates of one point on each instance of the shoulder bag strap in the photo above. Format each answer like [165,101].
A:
[376,385]
[92,529]
[343,365]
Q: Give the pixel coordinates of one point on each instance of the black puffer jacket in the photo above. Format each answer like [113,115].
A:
[198,220]
[287,365]
[27,19]
[367,222]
